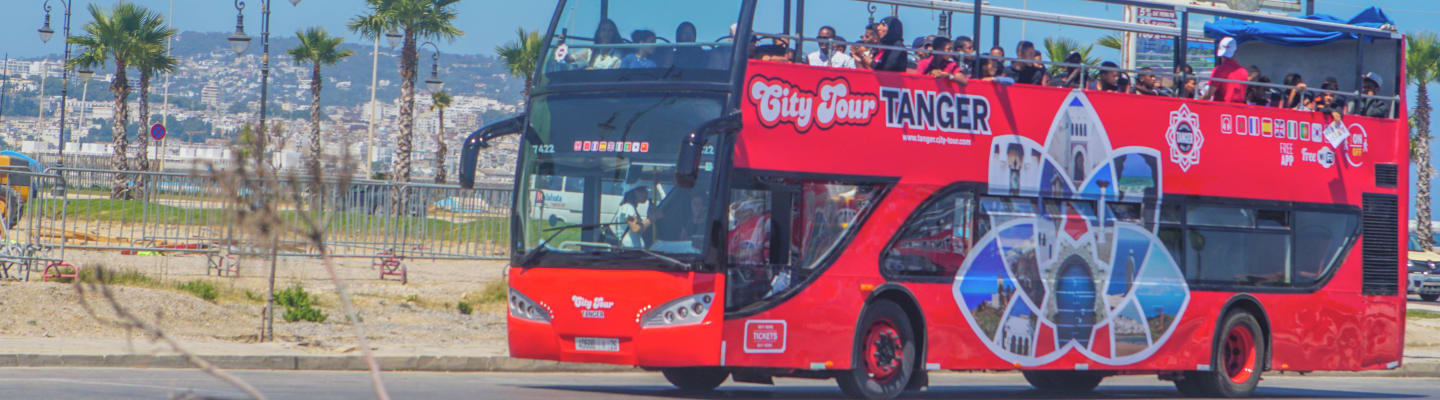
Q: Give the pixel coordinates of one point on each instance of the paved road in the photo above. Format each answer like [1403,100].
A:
[1415,303]
[55,383]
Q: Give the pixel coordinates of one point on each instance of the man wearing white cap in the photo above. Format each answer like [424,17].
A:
[1227,68]
[1370,107]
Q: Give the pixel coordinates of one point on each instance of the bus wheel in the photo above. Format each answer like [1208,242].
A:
[1063,381]
[1429,297]
[885,353]
[1236,363]
[696,379]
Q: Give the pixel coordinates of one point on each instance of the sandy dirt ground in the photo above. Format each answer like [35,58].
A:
[420,316]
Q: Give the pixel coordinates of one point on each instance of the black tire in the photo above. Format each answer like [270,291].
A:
[1429,297]
[696,379]
[1063,381]
[13,206]
[1236,362]
[884,373]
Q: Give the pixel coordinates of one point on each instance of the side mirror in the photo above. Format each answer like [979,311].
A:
[687,167]
[480,139]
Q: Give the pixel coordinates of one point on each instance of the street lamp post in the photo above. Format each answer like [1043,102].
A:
[434,82]
[45,34]
[240,42]
[85,75]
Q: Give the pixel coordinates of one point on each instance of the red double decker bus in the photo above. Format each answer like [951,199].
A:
[748,219]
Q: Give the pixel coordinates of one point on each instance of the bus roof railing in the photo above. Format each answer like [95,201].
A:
[1261,17]
[1039,16]
[1084,68]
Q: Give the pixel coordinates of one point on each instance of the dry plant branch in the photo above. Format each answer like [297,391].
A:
[259,191]
[126,319]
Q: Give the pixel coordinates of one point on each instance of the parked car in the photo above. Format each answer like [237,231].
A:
[1423,272]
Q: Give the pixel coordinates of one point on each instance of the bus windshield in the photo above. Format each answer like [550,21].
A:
[599,175]
[641,40]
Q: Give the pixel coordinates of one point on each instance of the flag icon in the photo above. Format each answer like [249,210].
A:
[1267,127]
[1290,132]
[1254,126]
[1317,131]
[1242,125]
[1304,131]
[644,147]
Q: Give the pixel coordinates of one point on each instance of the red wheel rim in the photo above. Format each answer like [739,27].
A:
[1239,354]
[884,351]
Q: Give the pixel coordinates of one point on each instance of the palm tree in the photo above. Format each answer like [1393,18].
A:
[439,102]
[1422,66]
[317,48]
[153,34]
[414,19]
[1058,48]
[522,55]
[1110,41]
[110,36]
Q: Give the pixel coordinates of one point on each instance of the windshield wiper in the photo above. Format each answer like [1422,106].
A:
[530,256]
[677,263]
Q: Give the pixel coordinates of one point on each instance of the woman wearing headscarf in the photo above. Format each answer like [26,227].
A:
[892,33]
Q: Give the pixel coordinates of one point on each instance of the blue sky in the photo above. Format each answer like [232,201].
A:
[488,23]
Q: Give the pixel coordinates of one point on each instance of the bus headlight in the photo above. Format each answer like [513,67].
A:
[523,308]
[688,310]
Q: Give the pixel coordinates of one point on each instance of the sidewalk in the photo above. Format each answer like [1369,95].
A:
[115,353]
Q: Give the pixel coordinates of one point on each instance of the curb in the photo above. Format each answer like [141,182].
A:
[307,363]
[451,364]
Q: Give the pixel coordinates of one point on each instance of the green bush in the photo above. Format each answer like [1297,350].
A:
[464,308]
[298,305]
[201,289]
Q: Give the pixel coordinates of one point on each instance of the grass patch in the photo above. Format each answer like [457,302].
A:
[464,308]
[125,277]
[299,305]
[1418,314]
[202,289]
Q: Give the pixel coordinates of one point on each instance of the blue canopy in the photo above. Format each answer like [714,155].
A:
[35,166]
[1286,35]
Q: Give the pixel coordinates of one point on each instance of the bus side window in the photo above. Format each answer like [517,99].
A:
[823,213]
[1321,239]
[933,243]
[574,184]
[749,240]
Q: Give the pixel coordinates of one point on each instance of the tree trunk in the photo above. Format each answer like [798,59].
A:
[440,149]
[1424,170]
[120,86]
[401,173]
[142,138]
[316,165]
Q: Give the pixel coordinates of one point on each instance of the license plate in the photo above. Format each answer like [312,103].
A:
[597,344]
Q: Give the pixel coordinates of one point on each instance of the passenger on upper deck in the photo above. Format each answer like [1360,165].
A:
[599,58]
[963,44]
[1025,72]
[1327,102]
[941,65]
[827,56]
[641,57]
[1370,107]
[1113,80]
[891,33]
[1295,97]
[770,52]
[993,69]
[922,45]
[865,55]
[1227,68]
[1146,84]
[1070,76]
[1188,88]
[688,57]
